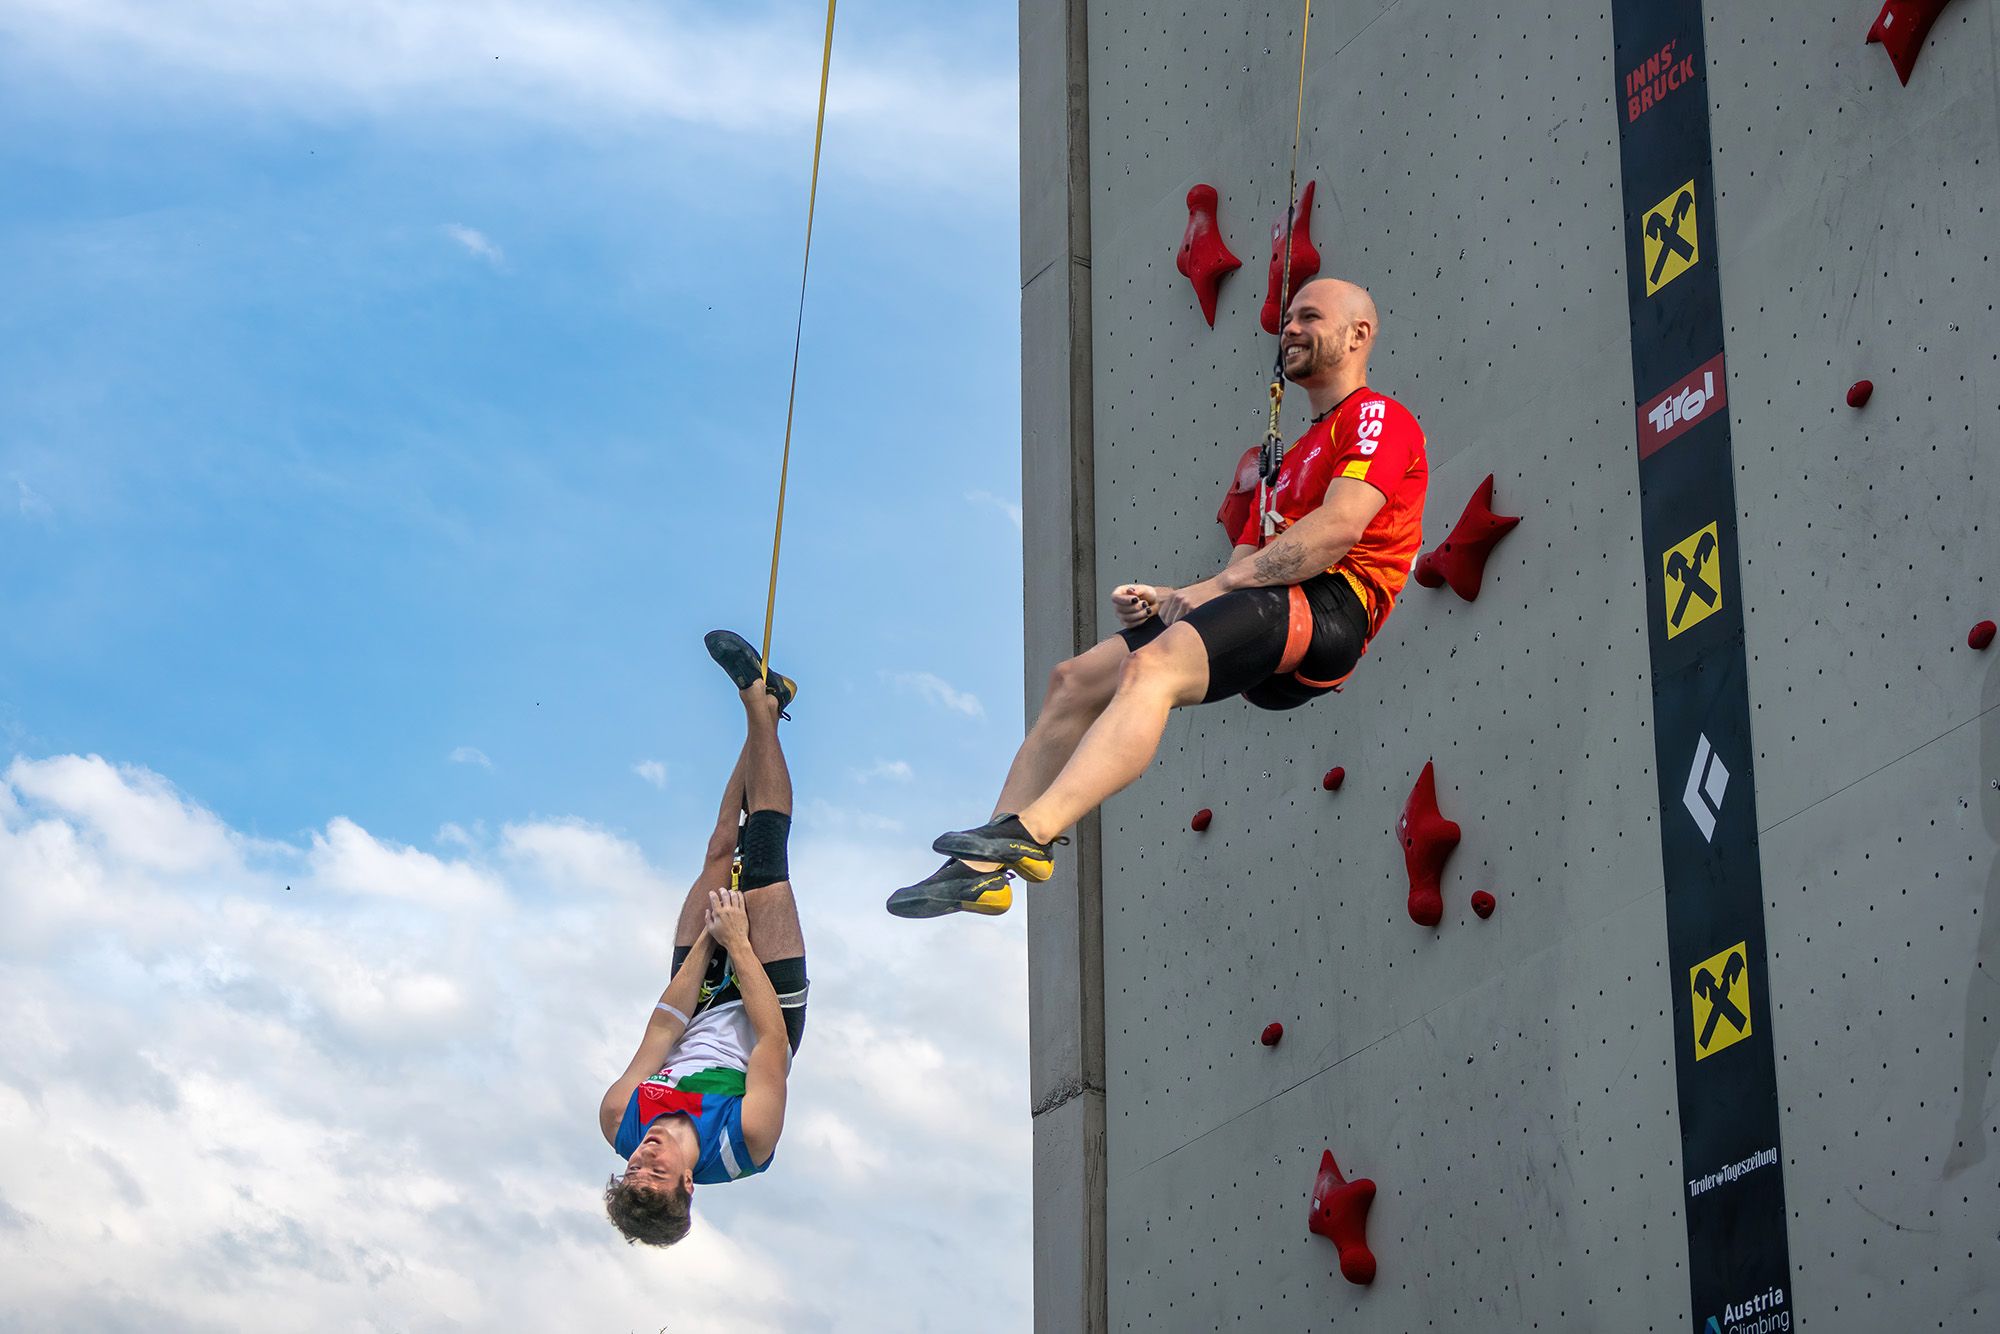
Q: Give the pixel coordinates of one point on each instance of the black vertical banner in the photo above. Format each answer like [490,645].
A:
[1739,1268]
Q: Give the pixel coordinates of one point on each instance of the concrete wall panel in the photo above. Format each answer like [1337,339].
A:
[1510,1084]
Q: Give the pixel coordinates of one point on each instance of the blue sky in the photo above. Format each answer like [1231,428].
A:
[390,396]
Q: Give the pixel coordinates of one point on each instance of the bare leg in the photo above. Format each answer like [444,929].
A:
[767,785]
[721,852]
[1167,673]
[1079,688]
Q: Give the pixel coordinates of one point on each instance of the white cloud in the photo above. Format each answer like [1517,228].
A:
[348,859]
[896,770]
[652,771]
[469,755]
[1010,508]
[368,1115]
[940,692]
[33,504]
[137,815]
[475,242]
[595,65]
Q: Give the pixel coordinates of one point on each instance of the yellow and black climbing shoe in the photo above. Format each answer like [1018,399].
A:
[954,887]
[733,653]
[1002,839]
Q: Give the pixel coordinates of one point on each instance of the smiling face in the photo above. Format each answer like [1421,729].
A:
[1330,325]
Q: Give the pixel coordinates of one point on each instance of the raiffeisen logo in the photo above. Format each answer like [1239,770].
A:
[1648,83]
[1765,1314]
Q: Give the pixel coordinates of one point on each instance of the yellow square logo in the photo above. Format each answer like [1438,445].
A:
[1671,245]
[1721,990]
[1693,581]
[1358,469]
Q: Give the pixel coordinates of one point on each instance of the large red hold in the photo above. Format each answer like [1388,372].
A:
[1334,778]
[1901,28]
[1428,839]
[1980,636]
[1273,1033]
[1305,260]
[1859,393]
[1201,818]
[1204,259]
[1340,1214]
[1460,560]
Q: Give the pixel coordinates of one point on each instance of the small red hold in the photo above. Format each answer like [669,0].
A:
[1334,778]
[1460,560]
[1272,1032]
[1428,839]
[1201,819]
[1859,393]
[1482,904]
[1340,1214]
[1204,259]
[1901,28]
[1980,636]
[1305,260]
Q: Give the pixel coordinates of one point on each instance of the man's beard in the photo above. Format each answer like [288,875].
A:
[1309,365]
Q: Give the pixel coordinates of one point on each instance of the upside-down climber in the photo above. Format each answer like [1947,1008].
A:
[1318,559]
[703,1100]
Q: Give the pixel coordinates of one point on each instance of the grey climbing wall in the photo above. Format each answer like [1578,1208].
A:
[1510,1084]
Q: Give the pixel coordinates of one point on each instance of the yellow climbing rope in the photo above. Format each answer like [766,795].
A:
[798,332]
[1273,452]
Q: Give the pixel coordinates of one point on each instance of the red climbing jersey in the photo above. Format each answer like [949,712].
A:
[1371,438]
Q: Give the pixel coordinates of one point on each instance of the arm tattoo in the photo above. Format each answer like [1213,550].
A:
[1283,563]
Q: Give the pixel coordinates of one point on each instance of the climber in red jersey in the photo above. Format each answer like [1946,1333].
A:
[1314,570]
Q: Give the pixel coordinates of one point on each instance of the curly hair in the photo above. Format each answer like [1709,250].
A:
[642,1213]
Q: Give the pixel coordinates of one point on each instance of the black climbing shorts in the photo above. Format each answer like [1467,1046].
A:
[1276,647]
[788,979]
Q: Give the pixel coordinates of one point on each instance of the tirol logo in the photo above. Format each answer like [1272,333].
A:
[1720,988]
[1766,1313]
[1648,82]
[1672,243]
[1691,399]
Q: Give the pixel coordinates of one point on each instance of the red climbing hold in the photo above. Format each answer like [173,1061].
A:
[1901,28]
[1201,819]
[1203,259]
[1428,839]
[1859,393]
[1242,495]
[1980,636]
[1271,1034]
[1460,560]
[1482,904]
[1334,778]
[1305,258]
[1340,1214]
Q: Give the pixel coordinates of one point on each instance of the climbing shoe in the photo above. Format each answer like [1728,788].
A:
[954,887]
[733,653]
[1003,840]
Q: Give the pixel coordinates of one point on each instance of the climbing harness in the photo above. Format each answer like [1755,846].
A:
[798,332]
[1272,455]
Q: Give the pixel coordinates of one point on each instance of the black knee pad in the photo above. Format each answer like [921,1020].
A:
[761,844]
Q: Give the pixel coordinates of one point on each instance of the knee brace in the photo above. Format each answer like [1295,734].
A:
[761,845]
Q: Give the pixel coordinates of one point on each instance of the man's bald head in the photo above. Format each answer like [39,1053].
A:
[1329,332]
[1339,298]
